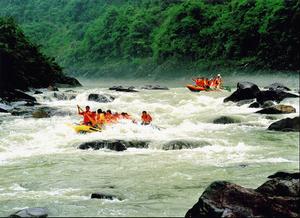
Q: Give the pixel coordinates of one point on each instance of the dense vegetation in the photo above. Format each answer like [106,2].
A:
[152,36]
[22,65]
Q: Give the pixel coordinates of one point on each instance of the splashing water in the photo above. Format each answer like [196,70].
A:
[41,165]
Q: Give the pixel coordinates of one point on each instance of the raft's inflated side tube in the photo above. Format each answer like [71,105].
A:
[85,129]
[195,88]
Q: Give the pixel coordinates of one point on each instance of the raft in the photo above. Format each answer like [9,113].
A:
[85,129]
[194,88]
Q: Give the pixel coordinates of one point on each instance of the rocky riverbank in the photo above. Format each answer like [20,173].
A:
[278,197]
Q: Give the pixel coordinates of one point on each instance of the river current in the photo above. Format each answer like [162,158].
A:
[40,165]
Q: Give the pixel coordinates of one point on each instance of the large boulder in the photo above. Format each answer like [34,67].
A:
[225,199]
[225,120]
[281,184]
[38,212]
[277,109]
[123,89]
[16,95]
[286,124]
[245,90]
[183,144]
[96,145]
[277,86]
[273,95]
[100,98]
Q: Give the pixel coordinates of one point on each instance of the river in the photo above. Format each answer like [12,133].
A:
[40,165]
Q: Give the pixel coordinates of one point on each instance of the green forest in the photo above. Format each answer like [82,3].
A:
[125,38]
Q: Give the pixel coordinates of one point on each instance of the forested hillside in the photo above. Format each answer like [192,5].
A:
[22,65]
[152,37]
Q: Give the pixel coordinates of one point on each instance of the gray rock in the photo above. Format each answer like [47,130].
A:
[243,102]
[225,120]
[277,109]
[37,92]
[40,113]
[3,110]
[275,198]
[100,195]
[40,212]
[277,86]
[123,89]
[267,104]
[101,98]
[15,96]
[287,124]
[281,184]
[276,95]
[254,105]
[245,90]
[96,145]
[52,88]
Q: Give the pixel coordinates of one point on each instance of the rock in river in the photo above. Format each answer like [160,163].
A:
[40,212]
[123,89]
[273,95]
[96,145]
[15,95]
[287,124]
[225,120]
[278,197]
[277,109]
[277,86]
[245,90]
[100,195]
[101,98]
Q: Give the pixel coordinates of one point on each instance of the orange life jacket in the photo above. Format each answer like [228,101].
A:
[146,118]
[85,114]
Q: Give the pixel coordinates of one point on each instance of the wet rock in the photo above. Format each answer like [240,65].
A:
[267,104]
[275,198]
[123,89]
[15,95]
[180,144]
[31,212]
[154,87]
[281,184]
[245,90]
[136,144]
[3,110]
[277,109]
[37,92]
[287,124]
[60,96]
[225,120]
[100,98]
[100,195]
[254,105]
[243,102]
[276,95]
[40,113]
[277,86]
[96,145]
[52,88]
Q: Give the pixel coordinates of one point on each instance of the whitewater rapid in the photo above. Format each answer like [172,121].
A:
[40,164]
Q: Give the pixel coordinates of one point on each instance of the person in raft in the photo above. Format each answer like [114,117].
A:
[100,118]
[218,81]
[87,115]
[146,118]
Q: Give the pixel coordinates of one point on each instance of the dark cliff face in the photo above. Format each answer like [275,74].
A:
[22,65]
